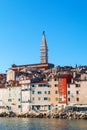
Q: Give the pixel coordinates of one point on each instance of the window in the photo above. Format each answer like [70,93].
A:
[9,100]
[77,99]
[68,85]
[9,95]
[55,79]
[38,107]
[45,92]
[49,99]
[56,98]
[77,85]
[60,79]
[45,98]
[40,85]
[77,92]
[48,92]
[56,109]
[60,99]
[49,107]
[32,92]
[60,85]
[60,93]
[33,107]
[68,92]
[69,99]
[39,92]
[32,85]
[9,107]
[9,89]
[49,79]
[49,85]
[19,99]
[19,106]
[56,92]
[44,85]
[33,98]
[39,98]
[56,85]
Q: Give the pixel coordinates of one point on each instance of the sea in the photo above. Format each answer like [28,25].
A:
[41,124]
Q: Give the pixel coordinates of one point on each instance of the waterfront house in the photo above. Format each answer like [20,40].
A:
[3,99]
[14,98]
[77,92]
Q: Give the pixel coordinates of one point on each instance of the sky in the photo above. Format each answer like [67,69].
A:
[23,21]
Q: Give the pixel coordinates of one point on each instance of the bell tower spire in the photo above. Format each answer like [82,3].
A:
[43,50]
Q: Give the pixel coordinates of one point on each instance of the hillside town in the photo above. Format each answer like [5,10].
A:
[42,87]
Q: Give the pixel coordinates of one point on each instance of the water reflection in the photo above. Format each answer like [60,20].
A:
[41,124]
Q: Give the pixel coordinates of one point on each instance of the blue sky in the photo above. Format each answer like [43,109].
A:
[23,21]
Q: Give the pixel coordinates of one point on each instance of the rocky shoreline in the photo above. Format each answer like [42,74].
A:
[60,115]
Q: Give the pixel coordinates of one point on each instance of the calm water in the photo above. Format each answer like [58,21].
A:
[41,124]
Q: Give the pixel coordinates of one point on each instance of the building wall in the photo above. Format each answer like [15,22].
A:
[78,93]
[35,97]
[84,76]
[10,75]
[3,100]
[39,95]
[14,98]
[82,92]
[62,85]
[26,98]
[45,97]
[53,96]
[71,93]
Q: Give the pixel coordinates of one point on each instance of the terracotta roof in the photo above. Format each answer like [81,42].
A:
[59,76]
[2,86]
[64,75]
[40,65]
[39,82]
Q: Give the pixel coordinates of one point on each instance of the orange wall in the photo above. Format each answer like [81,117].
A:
[63,89]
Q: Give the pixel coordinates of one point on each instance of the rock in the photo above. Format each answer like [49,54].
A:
[56,115]
[12,114]
[3,114]
[40,115]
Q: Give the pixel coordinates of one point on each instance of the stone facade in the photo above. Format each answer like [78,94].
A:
[14,99]
[77,93]
[3,99]
[10,75]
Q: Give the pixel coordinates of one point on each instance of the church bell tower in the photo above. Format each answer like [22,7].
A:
[43,50]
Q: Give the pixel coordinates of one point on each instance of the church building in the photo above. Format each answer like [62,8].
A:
[44,64]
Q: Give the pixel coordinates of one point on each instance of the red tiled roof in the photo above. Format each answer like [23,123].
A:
[2,86]
[41,82]
[64,75]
